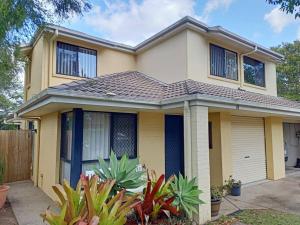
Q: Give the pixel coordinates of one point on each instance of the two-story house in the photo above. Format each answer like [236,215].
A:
[192,99]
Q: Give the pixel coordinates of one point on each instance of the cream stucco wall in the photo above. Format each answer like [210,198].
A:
[167,60]
[198,65]
[49,153]
[151,141]
[274,148]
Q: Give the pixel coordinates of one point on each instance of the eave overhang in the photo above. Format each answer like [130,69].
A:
[70,99]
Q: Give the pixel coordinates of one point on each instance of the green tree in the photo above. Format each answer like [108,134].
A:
[288,6]
[288,72]
[19,19]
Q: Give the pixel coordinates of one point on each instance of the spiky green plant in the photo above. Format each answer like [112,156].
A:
[186,195]
[123,171]
[90,204]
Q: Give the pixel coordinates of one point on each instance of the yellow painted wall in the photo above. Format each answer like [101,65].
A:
[215,154]
[43,66]
[274,148]
[36,69]
[182,56]
[221,154]
[198,65]
[112,61]
[151,141]
[167,60]
[108,61]
[49,153]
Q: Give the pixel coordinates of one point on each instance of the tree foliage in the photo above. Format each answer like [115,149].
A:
[19,19]
[288,72]
[288,6]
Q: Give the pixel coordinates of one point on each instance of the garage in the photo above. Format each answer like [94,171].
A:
[248,149]
[291,134]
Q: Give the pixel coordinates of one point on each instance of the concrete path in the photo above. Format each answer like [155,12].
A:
[28,202]
[282,195]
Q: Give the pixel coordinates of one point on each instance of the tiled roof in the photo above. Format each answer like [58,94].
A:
[134,85]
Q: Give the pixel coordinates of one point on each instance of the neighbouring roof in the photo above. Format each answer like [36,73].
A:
[133,85]
[187,21]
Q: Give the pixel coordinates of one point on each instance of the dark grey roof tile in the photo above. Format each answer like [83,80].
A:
[134,85]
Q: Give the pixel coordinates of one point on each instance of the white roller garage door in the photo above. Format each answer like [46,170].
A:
[248,149]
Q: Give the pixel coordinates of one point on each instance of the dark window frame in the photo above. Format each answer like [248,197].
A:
[134,117]
[63,119]
[264,70]
[76,46]
[223,75]
[210,135]
[110,135]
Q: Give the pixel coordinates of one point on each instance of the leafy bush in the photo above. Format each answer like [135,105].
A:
[186,195]
[216,193]
[123,171]
[230,183]
[92,206]
[156,201]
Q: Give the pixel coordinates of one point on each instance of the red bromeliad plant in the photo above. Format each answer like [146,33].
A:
[156,201]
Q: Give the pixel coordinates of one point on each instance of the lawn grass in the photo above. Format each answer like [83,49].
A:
[259,217]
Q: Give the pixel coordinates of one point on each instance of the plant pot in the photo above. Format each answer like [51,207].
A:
[215,207]
[236,190]
[3,194]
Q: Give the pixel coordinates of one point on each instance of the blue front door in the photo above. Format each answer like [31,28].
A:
[174,145]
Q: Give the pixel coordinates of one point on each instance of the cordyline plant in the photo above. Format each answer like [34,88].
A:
[156,201]
[123,171]
[92,206]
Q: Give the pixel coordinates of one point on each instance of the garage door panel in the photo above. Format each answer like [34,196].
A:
[248,149]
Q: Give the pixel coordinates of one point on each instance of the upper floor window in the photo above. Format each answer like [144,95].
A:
[223,62]
[75,61]
[254,72]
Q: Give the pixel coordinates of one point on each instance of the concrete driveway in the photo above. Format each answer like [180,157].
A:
[282,195]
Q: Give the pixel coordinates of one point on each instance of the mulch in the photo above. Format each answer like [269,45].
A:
[7,216]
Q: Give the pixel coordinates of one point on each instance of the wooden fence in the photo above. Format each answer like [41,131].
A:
[16,149]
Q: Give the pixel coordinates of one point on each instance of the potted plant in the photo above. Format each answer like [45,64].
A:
[216,199]
[3,188]
[233,186]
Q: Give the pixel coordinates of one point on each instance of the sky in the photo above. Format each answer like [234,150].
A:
[132,21]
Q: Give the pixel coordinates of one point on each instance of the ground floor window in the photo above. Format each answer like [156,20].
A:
[98,133]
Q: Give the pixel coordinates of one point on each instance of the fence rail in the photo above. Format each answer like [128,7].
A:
[16,149]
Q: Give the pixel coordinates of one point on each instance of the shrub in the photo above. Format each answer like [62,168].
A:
[216,193]
[230,183]
[92,206]
[186,195]
[155,201]
[123,171]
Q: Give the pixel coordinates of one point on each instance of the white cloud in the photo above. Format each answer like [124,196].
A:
[298,34]
[278,20]
[213,5]
[136,20]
